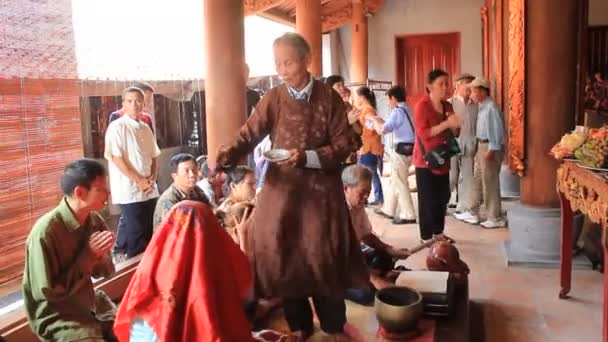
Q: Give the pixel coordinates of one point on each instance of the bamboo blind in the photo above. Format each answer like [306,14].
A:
[40,132]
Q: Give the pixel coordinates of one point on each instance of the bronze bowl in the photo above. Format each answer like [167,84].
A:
[398,309]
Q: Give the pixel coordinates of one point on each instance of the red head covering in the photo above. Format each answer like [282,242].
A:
[190,283]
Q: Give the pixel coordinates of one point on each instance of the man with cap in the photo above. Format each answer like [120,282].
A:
[461,170]
[490,131]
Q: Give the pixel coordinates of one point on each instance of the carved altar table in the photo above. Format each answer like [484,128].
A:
[587,191]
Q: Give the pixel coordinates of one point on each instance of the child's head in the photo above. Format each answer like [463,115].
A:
[133,101]
[241,183]
[357,182]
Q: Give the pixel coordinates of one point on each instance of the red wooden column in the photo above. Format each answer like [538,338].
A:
[308,24]
[542,107]
[224,81]
[551,60]
[359,49]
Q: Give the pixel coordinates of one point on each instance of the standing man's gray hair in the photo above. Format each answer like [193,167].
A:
[296,41]
[353,175]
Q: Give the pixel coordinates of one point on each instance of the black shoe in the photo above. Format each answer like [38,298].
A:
[403,221]
[382,213]
[452,206]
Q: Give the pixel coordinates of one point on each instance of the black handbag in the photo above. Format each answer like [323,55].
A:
[406,149]
[440,155]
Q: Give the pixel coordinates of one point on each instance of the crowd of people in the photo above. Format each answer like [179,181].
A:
[223,243]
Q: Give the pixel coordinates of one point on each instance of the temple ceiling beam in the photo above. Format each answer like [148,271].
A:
[253,7]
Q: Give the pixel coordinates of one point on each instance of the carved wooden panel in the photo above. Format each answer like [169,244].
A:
[253,7]
[516,91]
[337,18]
[498,17]
[485,32]
[587,191]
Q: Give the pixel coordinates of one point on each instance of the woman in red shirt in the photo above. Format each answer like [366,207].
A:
[434,118]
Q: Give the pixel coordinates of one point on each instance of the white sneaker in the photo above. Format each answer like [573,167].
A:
[467,217]
[491,224]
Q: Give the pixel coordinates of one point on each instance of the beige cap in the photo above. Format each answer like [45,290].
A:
[480,82]
[465,76]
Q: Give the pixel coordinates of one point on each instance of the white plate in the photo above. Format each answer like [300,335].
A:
[593,168]
[277,155]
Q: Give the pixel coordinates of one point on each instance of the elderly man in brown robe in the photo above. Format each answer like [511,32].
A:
[301,238]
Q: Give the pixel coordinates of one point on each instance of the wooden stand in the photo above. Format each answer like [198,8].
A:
[584,190]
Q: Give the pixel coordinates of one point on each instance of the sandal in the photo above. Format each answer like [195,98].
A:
[443,237]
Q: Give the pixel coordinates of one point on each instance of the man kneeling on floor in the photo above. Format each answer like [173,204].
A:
[379,256]
[65,248]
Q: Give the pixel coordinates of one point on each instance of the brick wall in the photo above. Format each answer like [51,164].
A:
[40,128]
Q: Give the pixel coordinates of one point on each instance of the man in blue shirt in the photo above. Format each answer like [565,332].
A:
[401,124]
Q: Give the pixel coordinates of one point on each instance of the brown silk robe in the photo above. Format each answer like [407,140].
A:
[301,238]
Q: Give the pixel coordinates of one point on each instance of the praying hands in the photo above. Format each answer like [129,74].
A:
[101,243]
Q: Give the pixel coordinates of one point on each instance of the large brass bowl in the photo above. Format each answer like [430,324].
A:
[398,309]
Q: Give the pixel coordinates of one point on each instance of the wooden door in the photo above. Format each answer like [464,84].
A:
[597,50]
[417,55]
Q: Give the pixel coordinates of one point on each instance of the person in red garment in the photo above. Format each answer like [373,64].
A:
[180,291]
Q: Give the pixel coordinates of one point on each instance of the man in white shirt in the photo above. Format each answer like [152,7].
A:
[486,182]
[131,151]
[461,170]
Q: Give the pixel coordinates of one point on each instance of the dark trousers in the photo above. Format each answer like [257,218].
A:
[137,226]
[120,244]
[376,261]
[371,161]
[433,198]
[330,311]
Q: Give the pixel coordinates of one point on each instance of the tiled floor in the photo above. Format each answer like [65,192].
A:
[519,304]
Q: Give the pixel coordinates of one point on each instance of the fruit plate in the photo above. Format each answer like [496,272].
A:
[277,155]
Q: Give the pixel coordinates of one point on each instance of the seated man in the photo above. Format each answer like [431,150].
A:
[184,172]
[379,256]
[65,248]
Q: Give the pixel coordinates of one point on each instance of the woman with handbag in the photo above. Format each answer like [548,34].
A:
[372,151]
[435,124]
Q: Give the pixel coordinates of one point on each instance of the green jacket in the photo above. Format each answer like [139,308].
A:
[57,286]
